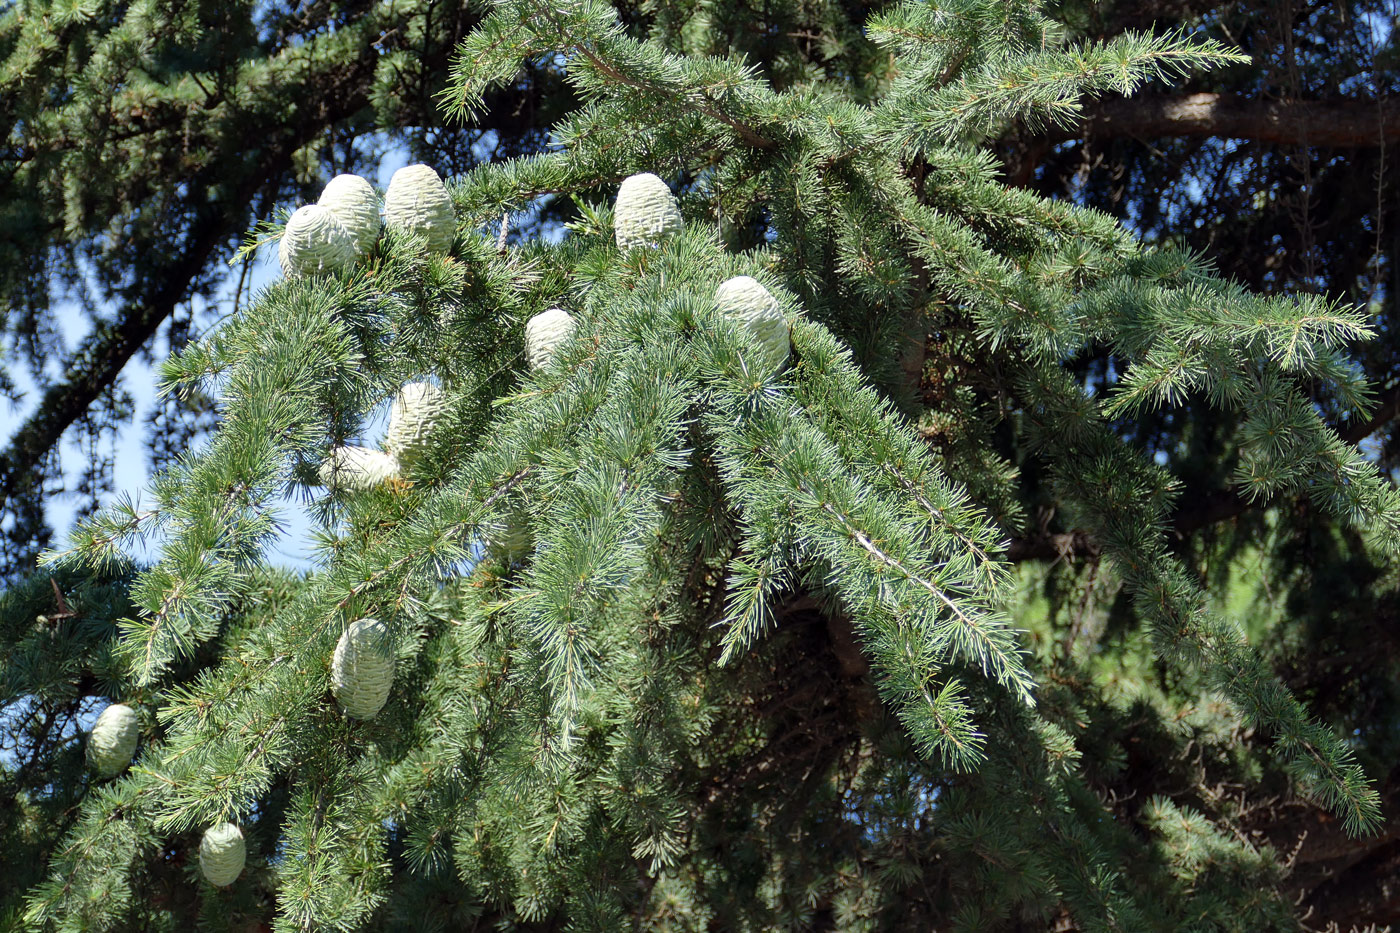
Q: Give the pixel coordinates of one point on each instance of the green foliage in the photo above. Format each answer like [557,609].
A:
[759,666]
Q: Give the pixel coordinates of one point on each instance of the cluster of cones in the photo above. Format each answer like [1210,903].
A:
[337,231]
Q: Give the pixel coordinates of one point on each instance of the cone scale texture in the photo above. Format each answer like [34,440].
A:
[352,201]
[113,740]
[544,333]
[314,241]
[747,303]
[221,854]
[645,213]
[416,201]
[357,468]
[362,669]
[416,409]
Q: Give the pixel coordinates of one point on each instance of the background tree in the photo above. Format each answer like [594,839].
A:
[1141,728]
[1282,172]
[143,141]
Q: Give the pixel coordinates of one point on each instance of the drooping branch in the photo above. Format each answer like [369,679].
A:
[1331,123]
[215,212]
[1204,510]
[102,356]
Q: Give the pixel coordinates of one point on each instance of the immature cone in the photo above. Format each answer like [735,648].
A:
[416,409]
[362,669]
[222,853]
[113,740]
[314,241]
[747,303]
[352,201]
[357,468]
[645,213]
[417,202]
[544,333]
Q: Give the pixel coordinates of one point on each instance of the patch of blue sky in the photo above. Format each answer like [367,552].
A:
[130,457]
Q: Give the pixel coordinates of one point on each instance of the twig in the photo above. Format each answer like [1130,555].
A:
[63,611]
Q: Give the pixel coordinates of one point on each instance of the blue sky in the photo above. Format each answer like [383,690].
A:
[131,472]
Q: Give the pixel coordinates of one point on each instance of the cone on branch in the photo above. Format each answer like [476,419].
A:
[416,409]
[645,213]
[362,669]
[715,625]
[314,241]
[544,333]
[416,202]
[112,742]
[351,200]
[222,854]
[747,303]
[357,469]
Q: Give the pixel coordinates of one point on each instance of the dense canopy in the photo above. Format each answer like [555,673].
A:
[884,466]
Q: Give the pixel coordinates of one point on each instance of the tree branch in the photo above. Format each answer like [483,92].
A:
[1206,509]
[1386,411]
[326,97]
[104,354]
[1331,123]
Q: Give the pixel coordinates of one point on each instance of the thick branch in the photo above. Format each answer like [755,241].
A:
[1386,411]
[1332,123]
[99,360]
[1046,545]
[102,356]
[327,98]
[1334,876]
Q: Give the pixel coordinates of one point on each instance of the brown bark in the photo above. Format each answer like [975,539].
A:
[1340,882]
[1330,123]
